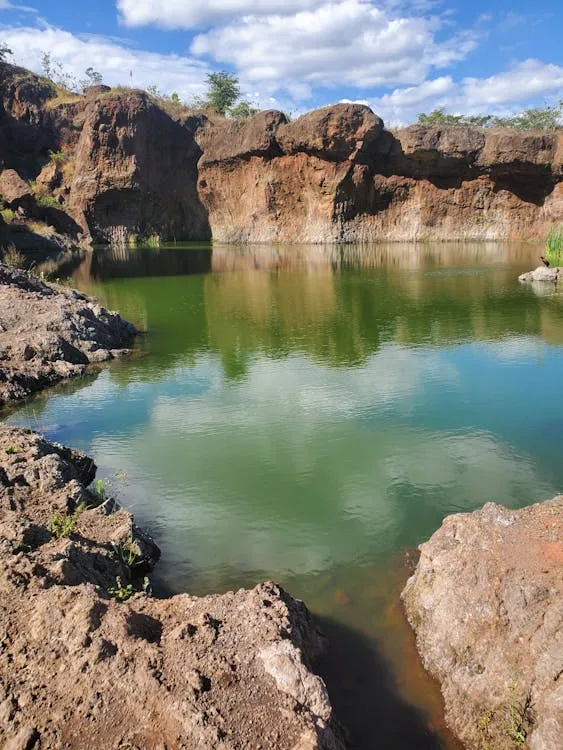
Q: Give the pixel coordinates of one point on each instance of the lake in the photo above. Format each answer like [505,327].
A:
[311,414]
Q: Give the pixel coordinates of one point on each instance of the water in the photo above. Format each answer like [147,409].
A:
[309,414]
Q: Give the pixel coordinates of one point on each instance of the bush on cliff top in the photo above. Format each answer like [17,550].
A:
[549,117]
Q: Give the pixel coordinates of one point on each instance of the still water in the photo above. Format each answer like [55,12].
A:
[310,414]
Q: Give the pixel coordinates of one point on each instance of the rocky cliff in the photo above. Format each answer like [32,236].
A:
[89,659]
[124,166]
[486,604]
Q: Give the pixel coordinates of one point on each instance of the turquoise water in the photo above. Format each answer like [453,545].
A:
[310,414]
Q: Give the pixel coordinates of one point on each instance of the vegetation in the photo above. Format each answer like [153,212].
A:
[7,214]
[4,52]
[47,201]
[223,93]
[242,111]
[12,257]
[55,72]
[121,592]
[99,490]
[127,552]
[63,525]
[549,117]
[554,246]
[11,449]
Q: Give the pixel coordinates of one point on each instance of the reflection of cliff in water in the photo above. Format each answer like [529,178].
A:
[337,314]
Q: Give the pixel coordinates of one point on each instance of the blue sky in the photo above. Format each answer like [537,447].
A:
[399,57]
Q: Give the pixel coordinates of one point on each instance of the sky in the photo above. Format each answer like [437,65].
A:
[401,58]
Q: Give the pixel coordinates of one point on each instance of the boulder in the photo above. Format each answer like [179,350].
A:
[486,605]
[14,191]
[541,273]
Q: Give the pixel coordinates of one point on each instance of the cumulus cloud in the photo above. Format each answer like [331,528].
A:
[500,94]
[348,42]
[179,14]
[113,59]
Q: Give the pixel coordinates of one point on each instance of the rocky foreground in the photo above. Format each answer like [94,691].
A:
[89,659]
[48,334]
[486,604]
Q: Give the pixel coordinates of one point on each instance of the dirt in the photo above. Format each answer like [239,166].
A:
[47,334]
[486,604]
[80,668]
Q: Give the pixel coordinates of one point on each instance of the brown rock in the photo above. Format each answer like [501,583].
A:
[13,190]
[222,671]
[486,604]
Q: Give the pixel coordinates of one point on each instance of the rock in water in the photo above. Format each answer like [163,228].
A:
[543,273]
[486,604]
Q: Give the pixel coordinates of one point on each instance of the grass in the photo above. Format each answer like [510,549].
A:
[12,257]
[512,720]
[62,526]
[554,246]
[11,449]
[47,201]
[8,215]
[127,552]
[99,490]
[40,227]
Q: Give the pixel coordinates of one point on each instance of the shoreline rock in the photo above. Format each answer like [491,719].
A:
[486,605]
[543,274]
[227,671]
[48,334]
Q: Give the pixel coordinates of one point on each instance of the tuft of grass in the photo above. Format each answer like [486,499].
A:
[62,526]
[127,552]
[12,257]
[40,227]
[8,215]
[11,449]
[56,156]
[100,490]
[554,246]
[121,592]
[47,201]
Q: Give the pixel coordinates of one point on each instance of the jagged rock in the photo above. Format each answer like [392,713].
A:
[228,671]
[486,604]
[50,334]
[13,190]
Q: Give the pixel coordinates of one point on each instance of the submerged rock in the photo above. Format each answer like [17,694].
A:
[228,671]
[486,604]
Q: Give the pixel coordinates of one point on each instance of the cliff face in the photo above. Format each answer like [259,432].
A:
[132,169]
[337,175]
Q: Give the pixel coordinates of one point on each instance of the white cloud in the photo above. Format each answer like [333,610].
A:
[526,80]
[187,14]
[113,59]
[347,42]
[501,94]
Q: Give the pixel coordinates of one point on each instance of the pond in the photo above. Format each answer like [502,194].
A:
[310,415]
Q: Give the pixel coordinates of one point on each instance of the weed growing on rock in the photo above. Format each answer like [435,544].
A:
[127,552]
[8,215]
[62,526]
[47,201]
[13,258]
[100,490]
[11,449]
[121,592]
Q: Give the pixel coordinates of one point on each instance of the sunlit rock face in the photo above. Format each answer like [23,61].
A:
[337,175]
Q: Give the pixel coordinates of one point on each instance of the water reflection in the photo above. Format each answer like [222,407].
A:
[307,413]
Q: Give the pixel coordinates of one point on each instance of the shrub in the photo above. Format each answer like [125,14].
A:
[12,257]
[47,201]
[242,111]
[121,592]
[554,246]
[548,117]
[62,526]
[7,214]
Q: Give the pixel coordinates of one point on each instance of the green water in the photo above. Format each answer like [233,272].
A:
[310,414]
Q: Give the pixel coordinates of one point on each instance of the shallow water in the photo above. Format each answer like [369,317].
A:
[309,414]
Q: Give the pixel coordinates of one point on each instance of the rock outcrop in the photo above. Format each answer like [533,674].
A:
[84,656]
[486,604]
[47,334]
[130,167]
[541,273]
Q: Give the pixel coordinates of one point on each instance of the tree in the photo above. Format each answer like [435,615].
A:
[548,117]
[4,51]
[93,78]
[174,98]
[242,111]
[223,91]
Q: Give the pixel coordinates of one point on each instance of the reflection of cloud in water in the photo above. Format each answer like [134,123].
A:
[516,347]
[277,474]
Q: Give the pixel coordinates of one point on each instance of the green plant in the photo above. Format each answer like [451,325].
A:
[11,449]
[223,91]
[554,246]
[100,490]
[47,201]
[152,241]
[127,552]
[56,156]
[242,111]
[7,214]
[62,526]
[548,117]
[121,592]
